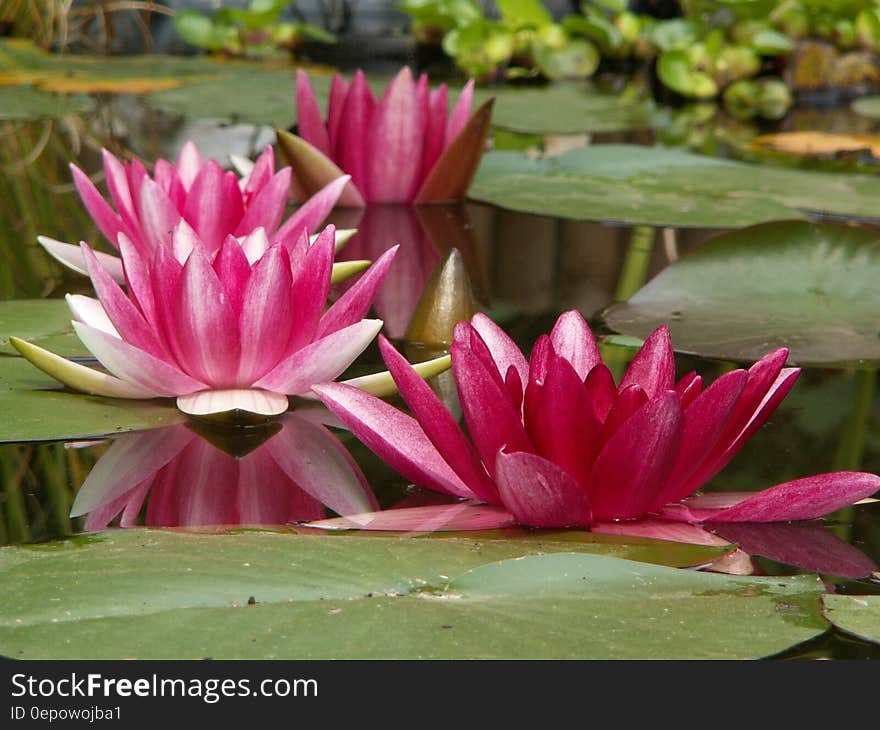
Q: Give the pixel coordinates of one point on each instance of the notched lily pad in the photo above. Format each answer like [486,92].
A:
[665,187]
[859,615]
[161,594]
[806,286]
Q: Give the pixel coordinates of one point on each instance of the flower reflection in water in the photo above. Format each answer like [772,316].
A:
[291,471]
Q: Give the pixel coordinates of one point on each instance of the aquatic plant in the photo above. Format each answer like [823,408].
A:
[557,443]
[399,149]
[236,329]
[195,196]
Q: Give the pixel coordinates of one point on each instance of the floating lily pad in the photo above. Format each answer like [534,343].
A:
[665,187]
[36,409]
[43,321]
[564,108]
[25,102]
[859,615]
[806,286]
[867,106]
[155,594]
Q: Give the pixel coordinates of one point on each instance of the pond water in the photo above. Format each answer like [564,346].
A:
[524,270]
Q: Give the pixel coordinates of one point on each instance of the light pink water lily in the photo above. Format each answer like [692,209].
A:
[185,481]
[399,149]
[195,195]
[237,328]
[556,442]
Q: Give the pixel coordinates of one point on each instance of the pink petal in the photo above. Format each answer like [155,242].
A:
[460,113]
[801,499]
[214,205]
[135,366]
[394,436]
[267,207]
[108,222]
[165,175]
[657,529]
[158,216]
[311,284]
[634,464]
[438,424]
[262,172]
[653,367]
[352,152]
[436,130]
[456,517]
[189,164]
[206,325]
[310,125]
[137,279]
[628,403]
[355,303]
[322,360]
[267,307]
[120,194]
[335,110]
[572,340]
[250,400]
[254,245]
[540,494]
[601,391]
[396,132]
[91,312]
[312,213]
[504,350]
[71,256]
[234,271]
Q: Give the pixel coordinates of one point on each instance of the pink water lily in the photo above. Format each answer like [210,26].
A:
[556,442]
[193,194]
[399,149]
[237,328]
[185,481]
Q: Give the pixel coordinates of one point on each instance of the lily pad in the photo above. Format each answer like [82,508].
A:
[564,108]
[859,615]
[35,409]
[666,187]
[25,102]
[867,106]
[155,594]
[43,321]
[806,286]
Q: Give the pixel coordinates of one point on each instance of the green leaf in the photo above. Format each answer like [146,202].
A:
[520,13]
[859,615]
[564,108]
[665,187]
[575,60]
[867,106]
[809,287]
[26,102]
[675,71]
[161,594]
[39,411]
[42,321]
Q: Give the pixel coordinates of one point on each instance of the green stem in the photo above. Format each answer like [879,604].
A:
[635,265]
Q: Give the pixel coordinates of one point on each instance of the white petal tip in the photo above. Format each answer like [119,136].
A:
[233,404]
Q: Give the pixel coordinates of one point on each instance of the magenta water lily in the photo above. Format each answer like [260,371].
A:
[401,148]
[239,327]
[556,442]
[195,195]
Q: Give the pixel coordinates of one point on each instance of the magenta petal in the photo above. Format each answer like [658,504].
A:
[460,516]
[504,350]
[165,175]
[653,367]
[335,109]
[540,494]
[310,125]
[99,209]
[802,499]
[260,175]
[214,205]
[267,207]
[396,134]
[657,529]
[629,401]
[394,436]
[311,214]
[311,284]
[322,360]
[267,303]
[460,113]
[572,340]
[438,424]
[634,464]
[206,325]
[436,129]
[355,303]
[352,153]
[601,391]
[234,272]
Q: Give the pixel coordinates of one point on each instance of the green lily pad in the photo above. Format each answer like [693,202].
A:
[42,321]
[806,286]
[36,409]
[161,594]
[859,615]
[564,108]
[867,106]
[25,102]
[666,187]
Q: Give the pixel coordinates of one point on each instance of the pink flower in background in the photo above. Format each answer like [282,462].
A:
[186,481]
[195,195]
[555,442]
[233,328]
[399,149]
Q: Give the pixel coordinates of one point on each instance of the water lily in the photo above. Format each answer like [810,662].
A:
[186,480]
[555,442]
[239,328]
[399,149]
[197,195]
